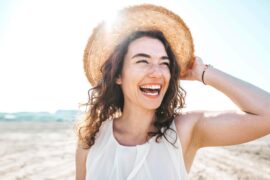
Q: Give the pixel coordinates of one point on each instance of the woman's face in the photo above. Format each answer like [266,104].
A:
[145,74]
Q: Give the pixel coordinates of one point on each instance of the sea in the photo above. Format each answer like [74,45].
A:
[59,115]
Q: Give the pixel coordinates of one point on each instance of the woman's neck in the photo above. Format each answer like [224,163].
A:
[136,122]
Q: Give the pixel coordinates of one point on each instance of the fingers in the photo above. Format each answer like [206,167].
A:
[194,72]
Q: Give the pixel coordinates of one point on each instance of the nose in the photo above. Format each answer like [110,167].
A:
[155,71]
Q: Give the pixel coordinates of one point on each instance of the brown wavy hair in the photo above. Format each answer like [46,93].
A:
[106,99]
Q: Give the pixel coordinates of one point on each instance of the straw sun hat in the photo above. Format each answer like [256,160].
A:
[105,37]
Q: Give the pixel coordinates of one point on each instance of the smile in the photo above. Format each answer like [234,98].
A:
[150,90]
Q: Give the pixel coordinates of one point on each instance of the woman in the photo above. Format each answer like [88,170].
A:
[134,128]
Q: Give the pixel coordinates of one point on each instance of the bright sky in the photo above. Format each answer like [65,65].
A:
[42,43]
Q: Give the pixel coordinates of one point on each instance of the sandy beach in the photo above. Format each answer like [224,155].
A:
[45,150]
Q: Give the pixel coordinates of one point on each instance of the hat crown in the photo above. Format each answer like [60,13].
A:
[146,17]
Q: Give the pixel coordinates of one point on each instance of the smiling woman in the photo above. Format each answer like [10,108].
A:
[138,65]
[142,73]
[134,110]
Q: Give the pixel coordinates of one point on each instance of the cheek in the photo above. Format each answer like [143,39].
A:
[167,74]
[130,78]
[134,74]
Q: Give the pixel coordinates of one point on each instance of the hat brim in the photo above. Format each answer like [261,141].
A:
[105,38]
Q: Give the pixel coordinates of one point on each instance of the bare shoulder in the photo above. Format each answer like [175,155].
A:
[185,125]
[188,117]
[81,156]
[186,121]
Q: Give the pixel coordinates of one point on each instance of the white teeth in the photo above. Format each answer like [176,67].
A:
[151,93]
[151,86]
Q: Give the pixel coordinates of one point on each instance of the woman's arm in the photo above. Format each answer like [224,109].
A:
[230,127]
[81,155]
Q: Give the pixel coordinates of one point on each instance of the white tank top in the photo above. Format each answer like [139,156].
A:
[109,160]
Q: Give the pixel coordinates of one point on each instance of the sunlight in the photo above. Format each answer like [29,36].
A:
[39,37]
[110,19]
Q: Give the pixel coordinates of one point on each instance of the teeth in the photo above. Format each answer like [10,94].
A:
[151,93]
[151,86]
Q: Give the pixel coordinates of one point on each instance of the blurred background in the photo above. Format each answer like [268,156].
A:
[43,82]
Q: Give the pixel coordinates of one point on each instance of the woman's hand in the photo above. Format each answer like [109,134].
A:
[195,72]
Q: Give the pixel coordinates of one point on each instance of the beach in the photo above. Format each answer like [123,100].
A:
[37,150]
[45,150]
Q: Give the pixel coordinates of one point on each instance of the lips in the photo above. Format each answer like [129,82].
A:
[151,89]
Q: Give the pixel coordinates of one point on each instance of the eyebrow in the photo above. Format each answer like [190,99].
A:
[147,56]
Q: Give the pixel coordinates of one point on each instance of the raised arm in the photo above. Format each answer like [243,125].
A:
[230,127]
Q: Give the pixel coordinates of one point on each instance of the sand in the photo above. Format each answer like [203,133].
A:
[45,150]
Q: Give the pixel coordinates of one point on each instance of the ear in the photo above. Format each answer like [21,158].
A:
[119,80]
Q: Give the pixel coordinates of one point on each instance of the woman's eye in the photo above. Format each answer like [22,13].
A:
[166,63]
[142,61]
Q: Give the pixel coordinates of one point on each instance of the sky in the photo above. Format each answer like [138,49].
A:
[42,44]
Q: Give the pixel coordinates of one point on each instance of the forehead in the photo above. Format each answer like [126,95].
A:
[148,46]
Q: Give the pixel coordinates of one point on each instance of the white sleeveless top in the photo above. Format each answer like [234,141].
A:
[109,160]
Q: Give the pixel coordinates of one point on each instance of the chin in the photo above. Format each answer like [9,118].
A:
[152,106]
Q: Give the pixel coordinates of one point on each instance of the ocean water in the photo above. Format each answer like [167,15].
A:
[59,115]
